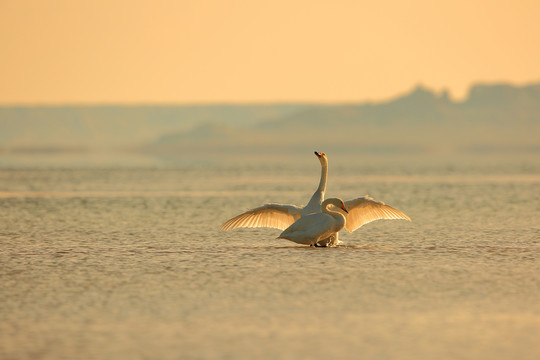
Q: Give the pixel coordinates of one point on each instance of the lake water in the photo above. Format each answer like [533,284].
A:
[129,262]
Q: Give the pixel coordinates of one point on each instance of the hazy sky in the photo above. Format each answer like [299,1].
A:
[159,51]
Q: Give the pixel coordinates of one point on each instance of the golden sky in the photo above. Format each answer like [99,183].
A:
[201,51]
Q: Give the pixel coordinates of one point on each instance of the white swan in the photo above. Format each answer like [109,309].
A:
[361,211]
[310,229]
[281,216]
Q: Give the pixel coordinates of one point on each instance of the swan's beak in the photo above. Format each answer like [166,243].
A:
[344,209]
[318,154]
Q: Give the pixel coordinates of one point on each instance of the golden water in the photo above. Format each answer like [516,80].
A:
[130,263]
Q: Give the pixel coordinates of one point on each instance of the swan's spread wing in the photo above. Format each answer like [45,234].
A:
[269,215]
[364,210]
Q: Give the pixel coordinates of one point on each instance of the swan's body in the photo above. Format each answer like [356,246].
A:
[312,228]
[361,211]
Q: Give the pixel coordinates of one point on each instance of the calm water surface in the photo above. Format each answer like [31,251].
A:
[130,263]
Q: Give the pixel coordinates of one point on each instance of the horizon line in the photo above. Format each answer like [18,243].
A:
[321,103]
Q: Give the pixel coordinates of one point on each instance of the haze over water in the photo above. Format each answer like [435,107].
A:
[128,262]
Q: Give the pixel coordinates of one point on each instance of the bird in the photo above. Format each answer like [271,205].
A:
[361,211]
[312,228]
[281,216]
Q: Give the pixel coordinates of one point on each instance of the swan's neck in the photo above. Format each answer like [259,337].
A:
[324,177]
[339,219]
[332,212]
[314,203]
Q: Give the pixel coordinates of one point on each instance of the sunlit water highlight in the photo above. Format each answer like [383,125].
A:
[130,263]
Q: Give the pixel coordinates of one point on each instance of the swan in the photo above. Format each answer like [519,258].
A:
[278,215]
[361,211]
[312,228]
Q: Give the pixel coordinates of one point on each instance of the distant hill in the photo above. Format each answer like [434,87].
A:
[118,126]
[492,118]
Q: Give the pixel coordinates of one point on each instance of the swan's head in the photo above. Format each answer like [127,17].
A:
[337,202]
[342,206]
[322,157]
